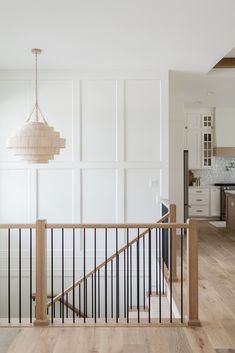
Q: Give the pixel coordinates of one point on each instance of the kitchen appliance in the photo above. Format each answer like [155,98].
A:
[223,188]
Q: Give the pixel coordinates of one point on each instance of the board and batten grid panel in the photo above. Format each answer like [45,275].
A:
[143,120]
[55,195]
[99,120]
[56,102]
[99,203]
[14,110]
[14,195]
[142,188]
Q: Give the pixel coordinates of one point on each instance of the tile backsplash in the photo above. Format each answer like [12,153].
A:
[217,174]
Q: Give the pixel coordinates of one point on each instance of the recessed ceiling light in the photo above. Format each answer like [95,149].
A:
[210,93]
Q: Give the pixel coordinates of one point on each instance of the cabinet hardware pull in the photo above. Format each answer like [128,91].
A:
[198,210]
[199,200]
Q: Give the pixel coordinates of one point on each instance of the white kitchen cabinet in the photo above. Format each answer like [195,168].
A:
[199,137]
[204,202]
[215,202]
[199,202]
[207,149]
[207,120]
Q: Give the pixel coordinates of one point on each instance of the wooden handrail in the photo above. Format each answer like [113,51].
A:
[118,225]
[64,302]
[122,249]
[18,226]
[165,202]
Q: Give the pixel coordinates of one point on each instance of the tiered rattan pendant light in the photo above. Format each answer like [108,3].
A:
[36,141]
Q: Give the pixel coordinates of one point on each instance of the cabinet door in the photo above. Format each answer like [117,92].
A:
[215,202]
[207,121]
[207,149]
[193,144]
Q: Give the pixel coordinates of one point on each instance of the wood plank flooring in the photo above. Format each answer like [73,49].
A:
[217,314]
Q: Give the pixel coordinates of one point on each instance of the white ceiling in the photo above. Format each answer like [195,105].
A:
[191,35]
[215,89]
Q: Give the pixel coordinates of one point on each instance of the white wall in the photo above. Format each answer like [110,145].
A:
[176,146]
[114,166]
[115,162]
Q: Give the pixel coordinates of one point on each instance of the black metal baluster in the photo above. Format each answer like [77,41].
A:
[60,308]
[138,275]
[131,277]
[111,288]
[124,284]
[19,275]
[163,263]
[150,275]
[98,293]
[30,276]
[159,276]
[62,263]
[52,276]
[9,275]
[54,310]
[170,275]
[144,293]
[117,278]
[105,276]
[182,274]
[127,279]
[67,301]
[80,304]
[73,275]
[95,285]
[86,299]
[84,274]
[92,296]
[157,289]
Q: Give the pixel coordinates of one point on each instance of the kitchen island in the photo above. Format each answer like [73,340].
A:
[230,209]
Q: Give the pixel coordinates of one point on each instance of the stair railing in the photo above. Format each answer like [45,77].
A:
[40,230]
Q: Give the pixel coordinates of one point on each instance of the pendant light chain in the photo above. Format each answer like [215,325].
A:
[36,108]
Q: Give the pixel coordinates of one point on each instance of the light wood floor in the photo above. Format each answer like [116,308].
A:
[217,314]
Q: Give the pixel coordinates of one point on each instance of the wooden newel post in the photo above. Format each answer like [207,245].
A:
[192,280]
[41,275]
[172,210]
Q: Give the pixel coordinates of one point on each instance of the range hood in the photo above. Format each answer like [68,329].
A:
[224,151]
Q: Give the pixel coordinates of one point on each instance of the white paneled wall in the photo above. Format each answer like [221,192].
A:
[114,167]
[115,162]
[99,120]
[143,120]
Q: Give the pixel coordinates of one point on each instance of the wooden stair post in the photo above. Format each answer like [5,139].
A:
[172,211]
[192,280]
[41,275]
